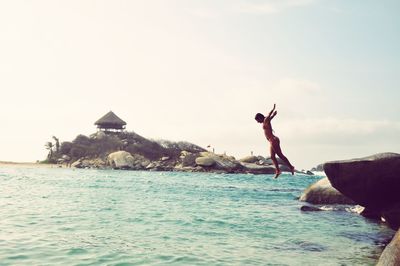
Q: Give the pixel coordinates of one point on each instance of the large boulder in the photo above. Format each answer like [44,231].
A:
[252,168]
[125,160]
[391,254]
[120,160]
[205,161]
[373,182]
[249,159]
[322,192]
[219,162]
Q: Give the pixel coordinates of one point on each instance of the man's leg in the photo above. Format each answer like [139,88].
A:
[278,151]
[275,162]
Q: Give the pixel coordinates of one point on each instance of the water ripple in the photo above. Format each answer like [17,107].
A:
[90,217]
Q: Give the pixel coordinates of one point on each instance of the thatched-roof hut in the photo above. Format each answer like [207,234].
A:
[110,122]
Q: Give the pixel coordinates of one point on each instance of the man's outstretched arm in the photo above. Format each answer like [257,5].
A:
[272,111]
[273,114]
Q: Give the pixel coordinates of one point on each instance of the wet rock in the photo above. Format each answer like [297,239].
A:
[322,192]
[252,168]
[307,208]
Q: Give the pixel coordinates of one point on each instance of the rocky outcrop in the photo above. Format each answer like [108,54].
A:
[391,254]
[124,160]
[322,192]
[219,162]
[147,154]
[373,182]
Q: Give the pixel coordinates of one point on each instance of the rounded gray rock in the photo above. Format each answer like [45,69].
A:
[205,161]
[322,192]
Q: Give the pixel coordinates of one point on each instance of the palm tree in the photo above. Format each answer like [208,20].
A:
[49,146]
[57,143]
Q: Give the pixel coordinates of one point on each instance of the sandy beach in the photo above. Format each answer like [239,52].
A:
[28,165]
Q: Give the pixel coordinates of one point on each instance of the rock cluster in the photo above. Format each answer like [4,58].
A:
[202,161]
[129,150]
[372,182]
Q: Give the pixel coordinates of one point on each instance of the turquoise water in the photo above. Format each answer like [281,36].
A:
[89,217]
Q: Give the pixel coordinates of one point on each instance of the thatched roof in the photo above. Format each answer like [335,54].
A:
[110,119]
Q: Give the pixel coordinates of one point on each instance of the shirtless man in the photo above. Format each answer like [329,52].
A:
[274,141]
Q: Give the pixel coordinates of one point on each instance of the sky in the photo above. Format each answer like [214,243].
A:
[199,71]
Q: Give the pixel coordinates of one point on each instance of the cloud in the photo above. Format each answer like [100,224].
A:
[270,6]
[341,131]
[290,85]
[206,13]
[248,7]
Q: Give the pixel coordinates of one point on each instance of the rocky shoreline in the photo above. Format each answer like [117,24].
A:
[372,182]
[187,162]
[130,151]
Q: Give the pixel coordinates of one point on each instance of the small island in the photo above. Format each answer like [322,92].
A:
[113,147]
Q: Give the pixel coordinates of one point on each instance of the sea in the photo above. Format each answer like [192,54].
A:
[63,216]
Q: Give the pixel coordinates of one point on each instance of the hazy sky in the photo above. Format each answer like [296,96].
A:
[200,70]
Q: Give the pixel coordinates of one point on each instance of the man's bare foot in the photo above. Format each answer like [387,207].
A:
[278,172]
[292,170]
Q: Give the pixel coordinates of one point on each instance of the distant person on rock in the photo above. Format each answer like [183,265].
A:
[275,148]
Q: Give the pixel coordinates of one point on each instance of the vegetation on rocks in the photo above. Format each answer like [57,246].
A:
[128,150]
[100,145]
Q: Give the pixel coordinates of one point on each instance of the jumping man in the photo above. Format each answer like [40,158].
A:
[274,141]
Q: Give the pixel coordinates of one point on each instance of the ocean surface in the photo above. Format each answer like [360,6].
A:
[51,216]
